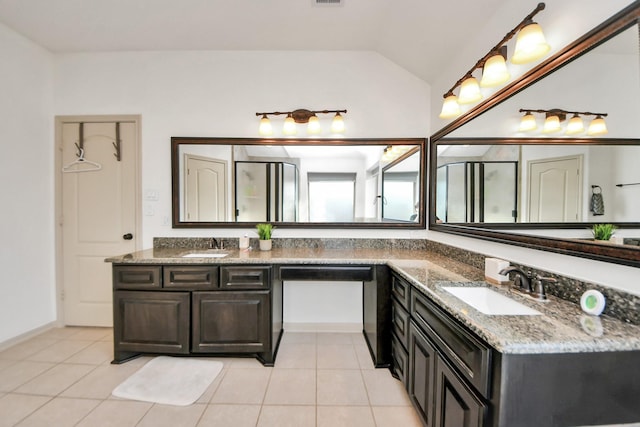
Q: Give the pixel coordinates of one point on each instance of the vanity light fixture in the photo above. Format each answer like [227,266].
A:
[555,116]
[301,116]
[530,45]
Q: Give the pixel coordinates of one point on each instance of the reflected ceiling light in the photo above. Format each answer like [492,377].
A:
[575,125]
[450,107]
[469,91]
[530,44]
[556,115]
[528,123]
[301,116]
[597,126]
[495,70]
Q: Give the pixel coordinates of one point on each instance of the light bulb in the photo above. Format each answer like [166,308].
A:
[450,107]
[313,126]
[337,125]
[495,71]
[528,123]
[289,127]
[530,44]
[265,128]
[551,124]
[469,91]
[597,127]
[575,125]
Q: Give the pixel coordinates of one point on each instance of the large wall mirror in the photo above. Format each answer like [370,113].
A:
[354,183]
[491,181]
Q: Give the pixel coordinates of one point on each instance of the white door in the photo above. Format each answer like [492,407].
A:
[98,215]
[554,190]
[205,187]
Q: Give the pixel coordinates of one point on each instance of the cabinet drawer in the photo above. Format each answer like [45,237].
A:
[137,277]
[400,290]
[400,323]
[245,277]
[466,353]
[400,360]
[190,277]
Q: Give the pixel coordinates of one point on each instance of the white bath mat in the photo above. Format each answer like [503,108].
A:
[170,380]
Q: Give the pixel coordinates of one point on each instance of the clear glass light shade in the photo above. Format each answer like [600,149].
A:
[313,126]
[597,126]
[469,91]
[551,124]
[495,71]
[450,108]
[530,45]
[575,125]
[337,125]
[528,123]
[289,127]
[265,128]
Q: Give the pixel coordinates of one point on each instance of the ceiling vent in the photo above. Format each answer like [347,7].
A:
[327,2]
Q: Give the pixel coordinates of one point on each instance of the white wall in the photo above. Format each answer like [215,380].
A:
[26,186]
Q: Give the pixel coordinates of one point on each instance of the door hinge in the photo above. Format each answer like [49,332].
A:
[61,295]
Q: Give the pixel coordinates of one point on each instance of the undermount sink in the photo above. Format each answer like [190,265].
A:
[490,302]
[206,255]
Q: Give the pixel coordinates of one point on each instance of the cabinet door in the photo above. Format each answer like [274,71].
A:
[456,404]
[231,322]
[422,357]
[151,322]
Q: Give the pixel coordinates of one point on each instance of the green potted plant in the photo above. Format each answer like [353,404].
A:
[264,234]
[603,231]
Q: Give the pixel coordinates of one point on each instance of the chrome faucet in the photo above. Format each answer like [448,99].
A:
[521,279]
[213,244]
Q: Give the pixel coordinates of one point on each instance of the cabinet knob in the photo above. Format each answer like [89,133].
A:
[127,236]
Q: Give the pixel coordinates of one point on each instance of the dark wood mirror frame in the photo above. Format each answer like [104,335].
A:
[619,254]
[175,180]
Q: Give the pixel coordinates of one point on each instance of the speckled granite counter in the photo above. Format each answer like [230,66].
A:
[562,327]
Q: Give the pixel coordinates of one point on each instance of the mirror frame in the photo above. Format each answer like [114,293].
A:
[175,180]
[618,254]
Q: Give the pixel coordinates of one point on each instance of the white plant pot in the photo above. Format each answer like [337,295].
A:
[265,245]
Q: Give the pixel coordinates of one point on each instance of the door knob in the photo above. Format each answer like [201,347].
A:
[128,236]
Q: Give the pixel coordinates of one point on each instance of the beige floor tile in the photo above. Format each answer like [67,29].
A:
[27,348]
[5,363]
[383,389]
[100,382]
[287,416]
[210,391]
[59,351]
[334,338]
[337,356]
[15,407]
[55,380]
[243,363]
[291,387]
[116,413]
[364,356]
[243,386]
[60,412]
[230,415]
[91,334]
[341,388]
[347,416]
[358,339]
[60,333]
[20,373]
[394,416]
[296,356]
[298,338]
[98,353]
[172,416]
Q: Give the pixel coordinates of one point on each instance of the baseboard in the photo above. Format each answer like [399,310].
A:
[27,335]
[323,327]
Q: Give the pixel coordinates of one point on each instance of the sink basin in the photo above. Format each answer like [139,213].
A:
[206,255]
[490,302]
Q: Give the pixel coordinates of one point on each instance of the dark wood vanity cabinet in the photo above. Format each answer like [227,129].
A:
[199,309]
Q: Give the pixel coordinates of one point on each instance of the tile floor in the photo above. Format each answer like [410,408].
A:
[63,378]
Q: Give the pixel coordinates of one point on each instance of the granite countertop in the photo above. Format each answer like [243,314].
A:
[561,328]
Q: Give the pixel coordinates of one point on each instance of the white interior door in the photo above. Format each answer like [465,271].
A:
[554,190]
[98,216]
[205,187]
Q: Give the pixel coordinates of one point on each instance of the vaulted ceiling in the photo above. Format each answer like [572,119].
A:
[418,35]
